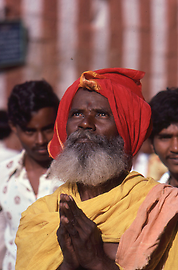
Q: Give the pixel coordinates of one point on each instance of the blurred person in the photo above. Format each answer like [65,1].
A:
[8,147]
[140,161]
[164,137]
[32,108]
[148,163]
[103,217]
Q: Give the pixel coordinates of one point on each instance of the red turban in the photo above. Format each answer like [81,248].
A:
[122,88]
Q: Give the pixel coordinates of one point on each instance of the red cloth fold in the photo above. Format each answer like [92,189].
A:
[131,112]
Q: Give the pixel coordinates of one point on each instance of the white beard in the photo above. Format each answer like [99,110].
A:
[90,163]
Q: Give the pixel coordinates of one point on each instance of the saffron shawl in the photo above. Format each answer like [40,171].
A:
[113,212]
[122,88]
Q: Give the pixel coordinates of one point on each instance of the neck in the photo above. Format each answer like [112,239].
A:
[173,180]
[35,164]
[88,192]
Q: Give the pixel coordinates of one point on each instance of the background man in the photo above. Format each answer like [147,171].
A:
[32,108]
[103,217]
[164,137]
[7,138]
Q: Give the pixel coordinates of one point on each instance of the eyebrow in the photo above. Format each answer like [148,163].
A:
[43,128]
[94,109]
[48,126]
[165,134]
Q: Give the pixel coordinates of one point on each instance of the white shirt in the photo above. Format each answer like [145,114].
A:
[5,152]
[164,178]
[16,194]
[141,164]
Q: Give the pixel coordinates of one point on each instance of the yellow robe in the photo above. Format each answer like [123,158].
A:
[113,212]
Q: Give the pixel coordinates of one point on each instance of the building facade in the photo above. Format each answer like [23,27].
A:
[66,37]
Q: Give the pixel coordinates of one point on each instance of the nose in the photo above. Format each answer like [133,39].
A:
[174,145]
[40,138]
[88,122]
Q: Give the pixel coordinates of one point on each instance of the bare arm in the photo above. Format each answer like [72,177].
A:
[80,240]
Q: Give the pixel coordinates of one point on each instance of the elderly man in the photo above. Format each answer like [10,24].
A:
[103,217]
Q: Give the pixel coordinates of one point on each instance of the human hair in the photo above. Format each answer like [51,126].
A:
[164,106]
[5,129]
[30,97]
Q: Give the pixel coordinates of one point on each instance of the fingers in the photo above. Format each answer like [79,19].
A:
[85,237]
[76,222]
[70,210]
[67,216]
[62,235]
[64,209]
[68,207]
[71,216]
[70,260]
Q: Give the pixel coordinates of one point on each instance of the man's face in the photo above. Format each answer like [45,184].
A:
[93,152]
[165,145]
[91,111]
[37,133]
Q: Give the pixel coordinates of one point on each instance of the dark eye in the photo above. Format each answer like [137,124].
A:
[77,114]
[29,132]
[165,137]
[49,128]
[102,114]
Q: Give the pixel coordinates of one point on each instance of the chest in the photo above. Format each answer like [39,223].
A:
[17,193]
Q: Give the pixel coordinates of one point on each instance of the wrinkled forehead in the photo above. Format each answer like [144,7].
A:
[89,98]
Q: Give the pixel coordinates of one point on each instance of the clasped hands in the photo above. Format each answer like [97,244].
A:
[79,238]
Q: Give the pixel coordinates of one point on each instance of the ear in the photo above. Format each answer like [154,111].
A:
[13,127]
[152,146]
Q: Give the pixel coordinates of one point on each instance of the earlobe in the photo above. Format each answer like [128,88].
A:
[14,128]
[153,148]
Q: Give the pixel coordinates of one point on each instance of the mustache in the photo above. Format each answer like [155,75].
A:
[85,134]
[40,147]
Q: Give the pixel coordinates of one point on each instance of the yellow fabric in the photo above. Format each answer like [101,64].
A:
[155,167]
[113,212]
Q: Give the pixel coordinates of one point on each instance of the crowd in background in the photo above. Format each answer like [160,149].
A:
[27,127]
